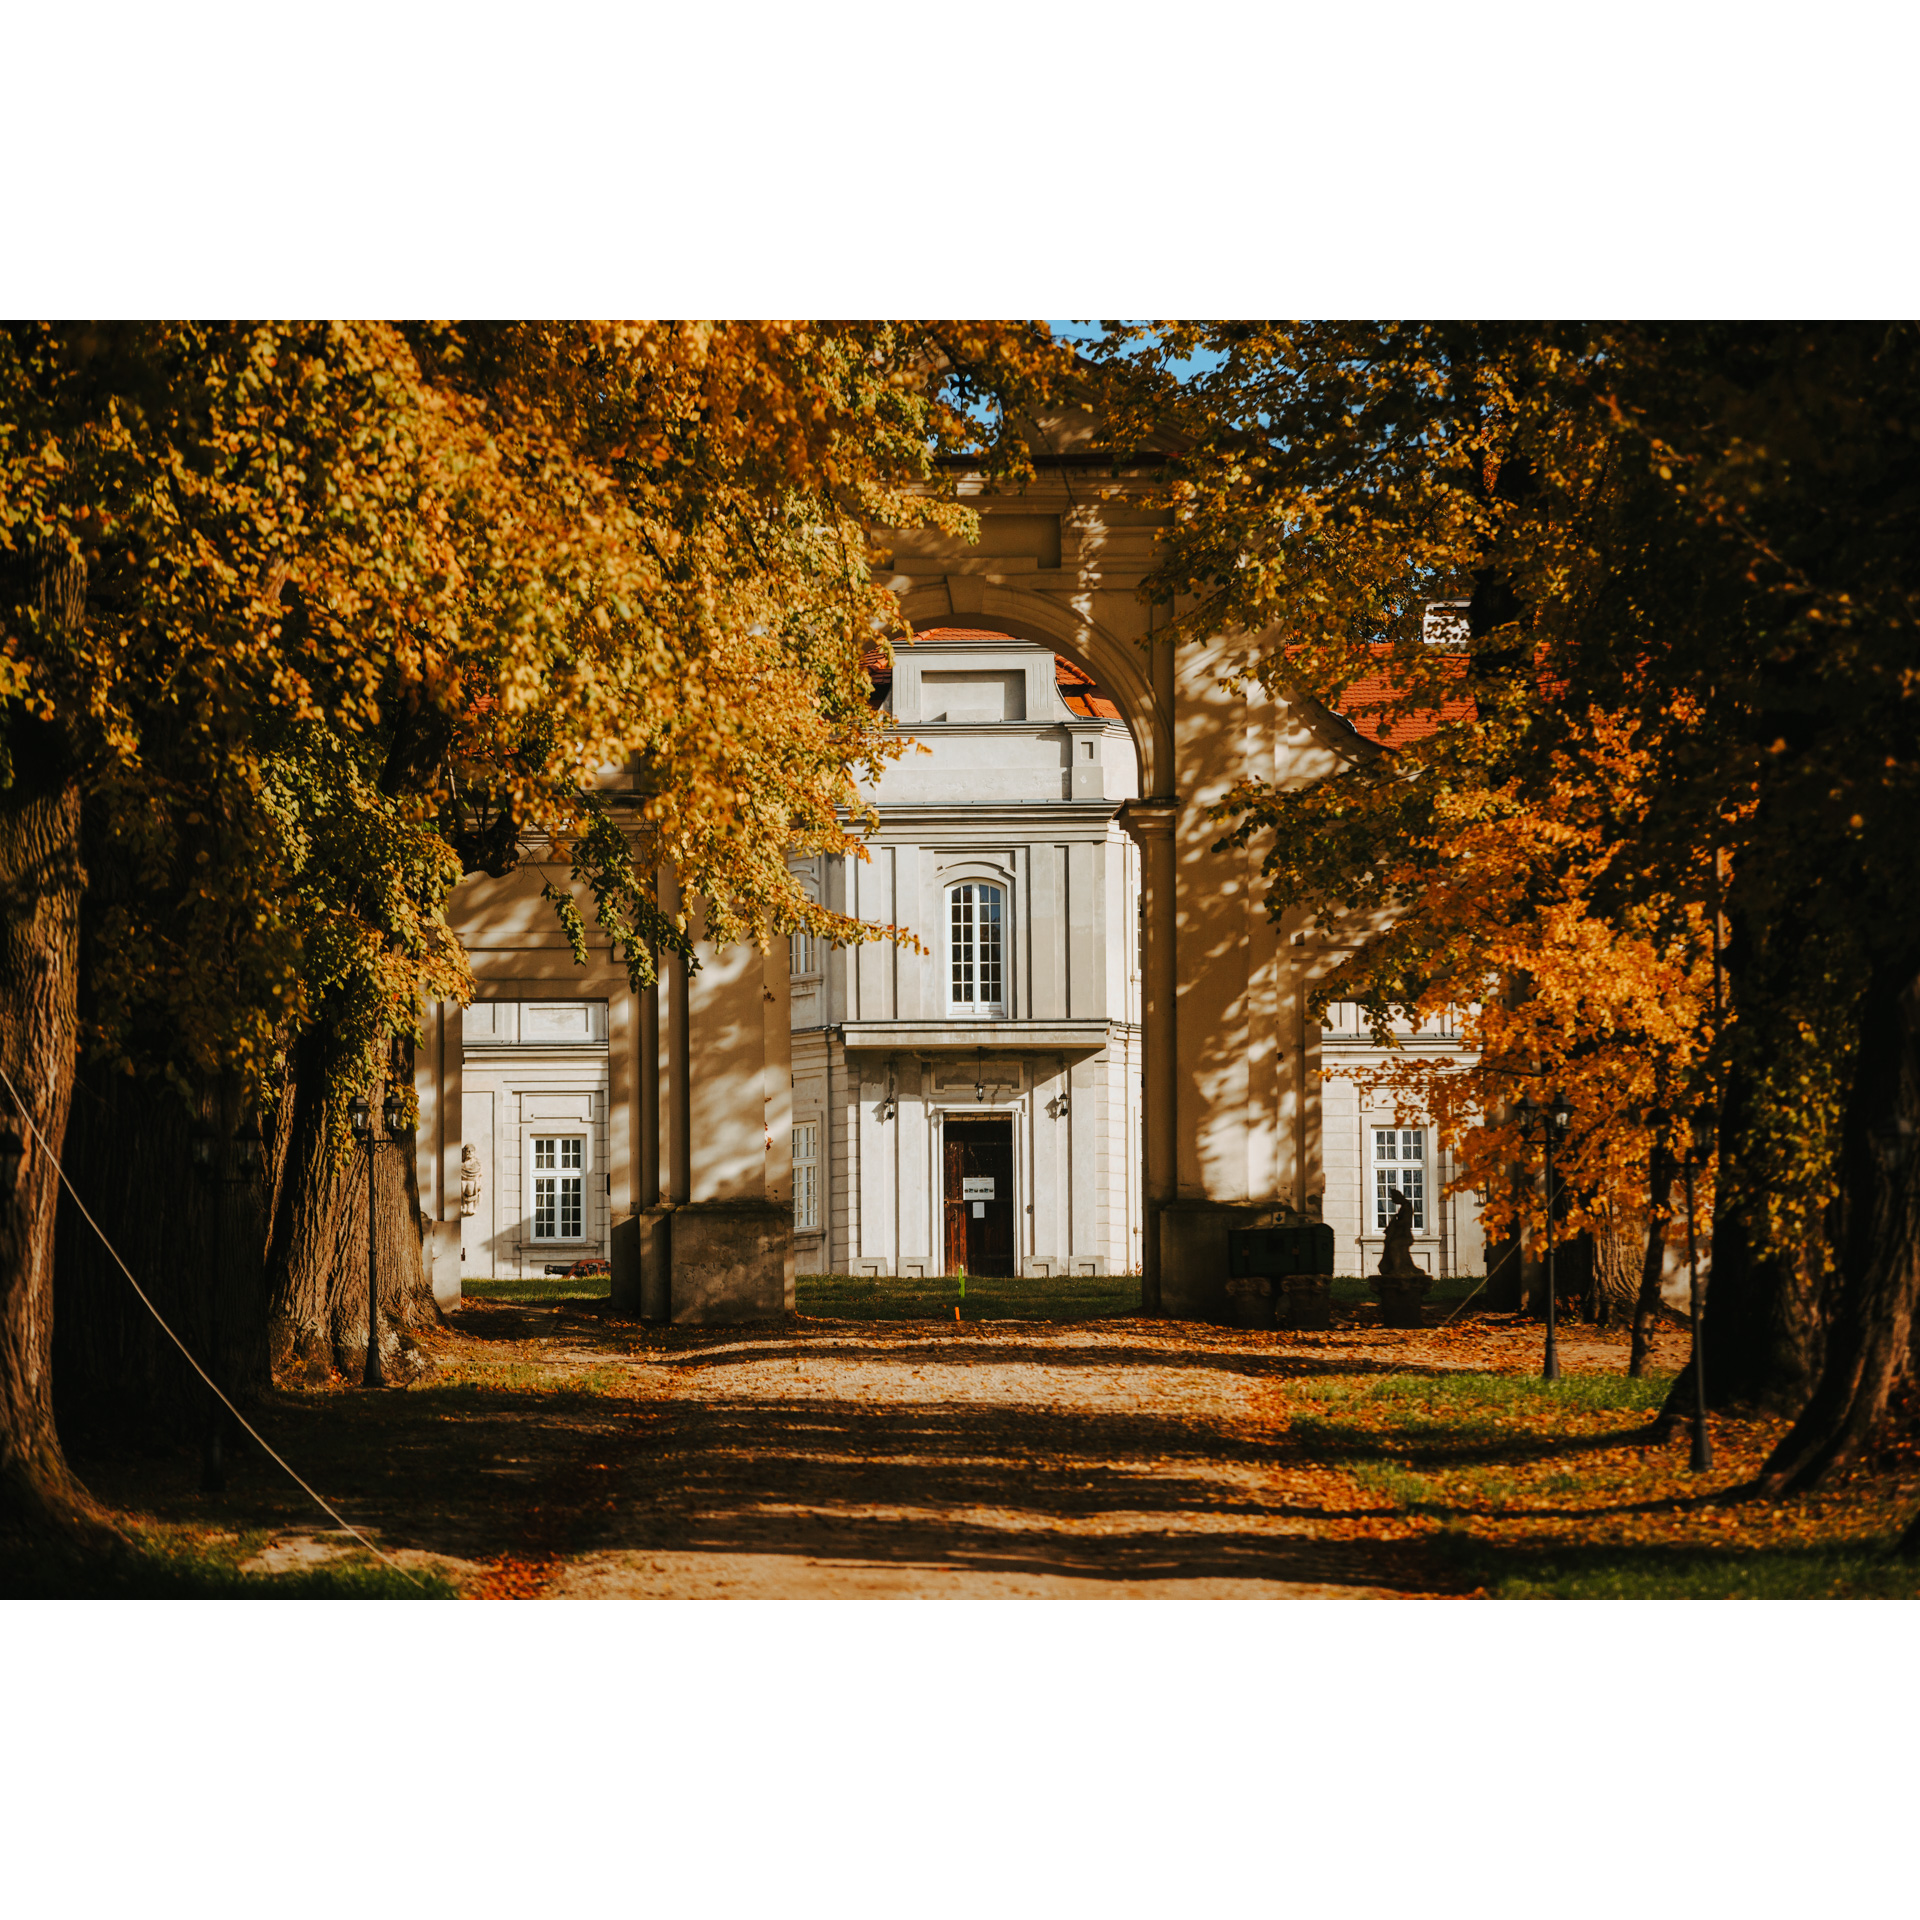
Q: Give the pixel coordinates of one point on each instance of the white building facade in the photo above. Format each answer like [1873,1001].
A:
[976,1107]
[1374,1143]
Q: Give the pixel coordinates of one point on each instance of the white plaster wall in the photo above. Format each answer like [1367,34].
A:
[1454,1242]
[518,1089]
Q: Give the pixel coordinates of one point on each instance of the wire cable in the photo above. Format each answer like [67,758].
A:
[188,1357]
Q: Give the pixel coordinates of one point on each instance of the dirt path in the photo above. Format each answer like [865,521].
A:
[556,1453]
[1115,1459]
[1016,1462]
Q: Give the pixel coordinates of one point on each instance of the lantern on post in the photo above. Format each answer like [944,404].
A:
[1548,1124]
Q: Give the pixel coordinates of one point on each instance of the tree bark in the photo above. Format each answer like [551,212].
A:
[1646,1306]
[41,882]
[317,1313]
[1870,1331]
[1611,1254]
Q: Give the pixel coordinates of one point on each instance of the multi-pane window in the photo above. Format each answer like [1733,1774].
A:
[800,953]
[806,1178]
[976,949]
[1399,1165]
[559,1186]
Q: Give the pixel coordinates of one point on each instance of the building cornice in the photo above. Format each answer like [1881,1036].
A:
[982,820]
[973,1036]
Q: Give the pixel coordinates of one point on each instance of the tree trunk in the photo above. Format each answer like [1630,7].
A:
[1870,1330]
[1764,1321]
[1615,1261]
[194,1236]
[1646,1306]
[317,1314]
[41,882]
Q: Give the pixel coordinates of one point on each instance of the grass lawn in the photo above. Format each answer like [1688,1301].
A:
[843,1296]
[1355,1290]
[538,1293]
[183,1563]
[1532,1491]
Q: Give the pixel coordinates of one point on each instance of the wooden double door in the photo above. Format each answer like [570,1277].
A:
[979,1197]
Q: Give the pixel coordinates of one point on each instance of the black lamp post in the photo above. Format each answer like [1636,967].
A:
[361,1114]
[1548,1123]
[1702,1460]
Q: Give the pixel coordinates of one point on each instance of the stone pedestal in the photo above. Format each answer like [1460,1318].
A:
[732,1261]
[1192,1238]
[1251,1302]
[440,1250]
[623,1261]
[1309,1302]
[1401,1302]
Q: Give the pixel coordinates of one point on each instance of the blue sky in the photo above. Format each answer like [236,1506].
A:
[1091,330]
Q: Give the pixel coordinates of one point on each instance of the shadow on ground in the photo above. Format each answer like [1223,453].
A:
[599,1448]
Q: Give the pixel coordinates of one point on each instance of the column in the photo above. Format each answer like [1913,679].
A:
[1151,824]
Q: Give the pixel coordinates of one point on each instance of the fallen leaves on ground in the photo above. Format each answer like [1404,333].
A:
[561,1451]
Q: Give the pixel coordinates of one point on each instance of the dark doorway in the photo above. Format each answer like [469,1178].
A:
[979,1191]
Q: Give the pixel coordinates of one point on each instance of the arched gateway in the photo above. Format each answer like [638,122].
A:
[680,1100]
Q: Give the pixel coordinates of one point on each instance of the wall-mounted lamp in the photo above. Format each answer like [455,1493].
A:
[889,1106]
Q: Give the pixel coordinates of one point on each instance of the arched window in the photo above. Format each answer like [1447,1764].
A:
[976,951]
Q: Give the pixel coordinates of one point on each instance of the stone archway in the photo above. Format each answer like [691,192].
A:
[699,1165]
[1231,1109]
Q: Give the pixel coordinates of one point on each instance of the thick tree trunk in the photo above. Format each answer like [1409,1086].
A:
[1653,1260]
[1764,1321]
[1612,1256]
[195,1238]
[317,1315]
[40,887]
[1869,1334]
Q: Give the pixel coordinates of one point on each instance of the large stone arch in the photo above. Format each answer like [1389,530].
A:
[1231,1107]
[1123,668]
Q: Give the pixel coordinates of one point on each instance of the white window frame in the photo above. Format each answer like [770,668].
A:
[803,955]
[976,1008]
[563,1135]
[806,1176]
[1394,1152]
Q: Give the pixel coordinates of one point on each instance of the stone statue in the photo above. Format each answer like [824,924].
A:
[470,1181]
[1403,1282]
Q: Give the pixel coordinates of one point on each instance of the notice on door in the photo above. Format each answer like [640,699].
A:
[977,1189]
[979,1209]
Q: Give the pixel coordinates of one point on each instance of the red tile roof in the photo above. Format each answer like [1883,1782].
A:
[1363,706]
